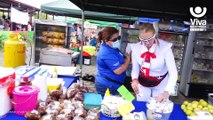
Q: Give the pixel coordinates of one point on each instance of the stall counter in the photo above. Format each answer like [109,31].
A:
[68,81]
[177,113]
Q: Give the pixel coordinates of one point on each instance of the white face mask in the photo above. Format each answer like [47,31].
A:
[116,44]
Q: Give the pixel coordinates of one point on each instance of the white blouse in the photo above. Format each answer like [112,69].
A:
[163,62]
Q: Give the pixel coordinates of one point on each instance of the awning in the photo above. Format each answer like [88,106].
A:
[67,8]
[171,9]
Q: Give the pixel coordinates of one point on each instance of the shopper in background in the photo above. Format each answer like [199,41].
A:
[111,64]
[93,41]
[154,72]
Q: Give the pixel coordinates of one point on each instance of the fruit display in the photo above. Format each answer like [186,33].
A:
[54,38]
[205,55]
[177,53]
[177,40]
[197,79]
[190,108]
[202,66]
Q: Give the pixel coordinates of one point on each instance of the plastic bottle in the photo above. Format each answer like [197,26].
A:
[25,81]
[55,74]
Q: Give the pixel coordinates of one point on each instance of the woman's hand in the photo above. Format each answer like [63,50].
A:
[163,96]
[135,86]
[123,66]
[127,58]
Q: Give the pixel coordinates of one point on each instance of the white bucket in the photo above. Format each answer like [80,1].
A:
[5,102]
[153,115]
[41,82]
[159,111]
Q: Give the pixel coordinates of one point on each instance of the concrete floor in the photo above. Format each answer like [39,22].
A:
[91,69]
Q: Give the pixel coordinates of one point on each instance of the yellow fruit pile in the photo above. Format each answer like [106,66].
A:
[190,107]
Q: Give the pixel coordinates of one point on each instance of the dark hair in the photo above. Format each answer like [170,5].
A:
[105,34]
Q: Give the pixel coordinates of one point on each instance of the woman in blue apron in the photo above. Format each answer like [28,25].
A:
[111,64]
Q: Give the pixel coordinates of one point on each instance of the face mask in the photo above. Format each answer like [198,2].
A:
[116,44]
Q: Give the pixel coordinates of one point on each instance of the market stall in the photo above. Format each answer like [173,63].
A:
[74,100]
[52,41]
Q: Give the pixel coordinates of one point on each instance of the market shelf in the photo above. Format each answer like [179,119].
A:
[205,45]
[203,58]
[197,83]
[177,58]
[171,32]
[178,45]
[201,70]
[209,38]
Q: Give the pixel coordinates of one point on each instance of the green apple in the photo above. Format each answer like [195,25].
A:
[192,114]
[184,110]
[194,102]
[211,110]
[189,104]
[204,103]
[189,108]
[200,106]
[189,112]
[205,108]
[185,103]
[201,100]
[194,105]
[197,109]
[210,106]
[183,107]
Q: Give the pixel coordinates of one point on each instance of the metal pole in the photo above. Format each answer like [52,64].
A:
[11,24]
[8,13]
[46,16]
[40,15]
[82,40]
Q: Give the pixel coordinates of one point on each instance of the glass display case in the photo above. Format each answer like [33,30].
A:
[202,70]
[178,39]
[197,74]
[128,36]
[49,33]
[202,66]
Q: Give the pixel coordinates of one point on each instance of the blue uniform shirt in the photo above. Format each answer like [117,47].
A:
[108,60]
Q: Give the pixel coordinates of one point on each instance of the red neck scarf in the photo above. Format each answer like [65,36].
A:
[147,58]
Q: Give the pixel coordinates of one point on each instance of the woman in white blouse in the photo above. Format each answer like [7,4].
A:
[154,73]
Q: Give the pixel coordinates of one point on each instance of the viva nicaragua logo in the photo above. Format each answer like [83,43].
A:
[198,24]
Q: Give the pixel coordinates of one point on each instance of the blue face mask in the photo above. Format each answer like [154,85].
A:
[116,44]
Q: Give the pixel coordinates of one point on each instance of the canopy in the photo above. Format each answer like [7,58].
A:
[19,6]
[172,9]
[103,23]
[67,8]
